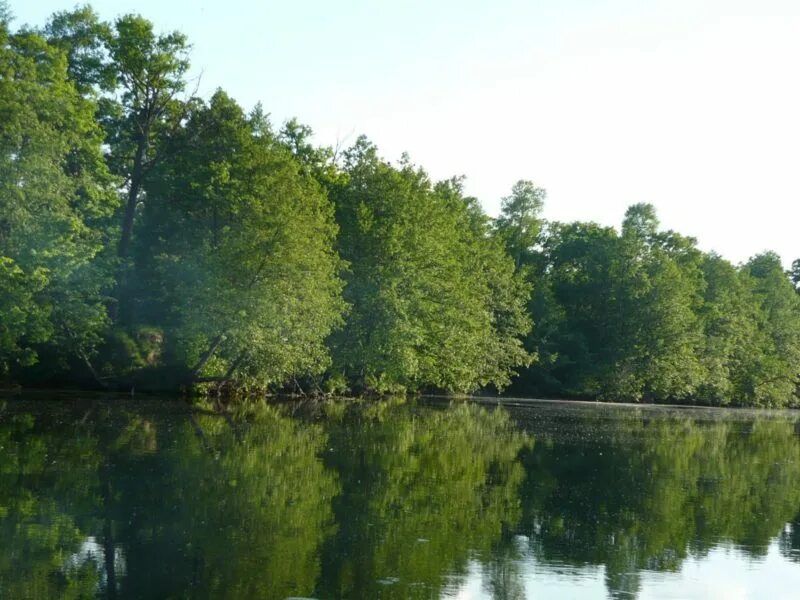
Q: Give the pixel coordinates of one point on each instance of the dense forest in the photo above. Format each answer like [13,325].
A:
[154,239]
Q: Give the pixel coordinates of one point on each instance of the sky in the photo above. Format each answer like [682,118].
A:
[691,105]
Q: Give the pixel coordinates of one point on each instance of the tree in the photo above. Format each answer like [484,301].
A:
[729,317]
[520,222]
[150,71]
[137,76]
[435,302]
[770,376]
[657,288]
[795,273]
[576,308]
[235,257]
[616,313]
[56,199]
[83,38]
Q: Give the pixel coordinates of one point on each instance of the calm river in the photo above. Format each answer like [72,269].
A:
[151,498]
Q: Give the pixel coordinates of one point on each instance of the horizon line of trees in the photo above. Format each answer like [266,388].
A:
[153,238]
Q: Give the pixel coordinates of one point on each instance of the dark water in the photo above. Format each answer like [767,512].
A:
[150,499]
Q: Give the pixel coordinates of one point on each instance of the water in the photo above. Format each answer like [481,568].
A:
[152,499]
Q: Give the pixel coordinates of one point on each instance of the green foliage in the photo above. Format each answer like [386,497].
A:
[149,72]
[126,353]
[226,241]
[520,223]
[236,250]
[729,319]
[56,198]
[656,334]
[83,37]
[772,377]
[435,302]
[25,321]
[152,238]
[644,315]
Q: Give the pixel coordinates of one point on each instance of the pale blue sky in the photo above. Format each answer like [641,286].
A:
[692,105]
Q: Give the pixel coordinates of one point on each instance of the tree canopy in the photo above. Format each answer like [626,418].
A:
[151,237]
[643,314]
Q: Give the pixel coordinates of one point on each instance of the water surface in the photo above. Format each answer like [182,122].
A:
[151,498]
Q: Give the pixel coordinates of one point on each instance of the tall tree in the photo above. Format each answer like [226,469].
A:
[84,38]
[236,251]
[575,307]
[616,313]
[137,76]
[520,221]
[149,70]
[795,273]
[657,288]
[771,375]
[56,197]
[730,326]
[435,302]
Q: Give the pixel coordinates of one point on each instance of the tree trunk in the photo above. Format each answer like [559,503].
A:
[128,218]
[91,369]
[133,198]
[206,356]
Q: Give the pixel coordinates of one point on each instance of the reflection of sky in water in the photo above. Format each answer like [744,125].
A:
[91,551]
[724,574]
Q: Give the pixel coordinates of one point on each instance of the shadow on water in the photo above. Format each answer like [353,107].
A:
[152,499]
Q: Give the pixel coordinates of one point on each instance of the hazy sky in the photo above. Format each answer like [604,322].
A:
[691,105]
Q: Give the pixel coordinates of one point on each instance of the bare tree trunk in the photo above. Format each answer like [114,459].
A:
[89,366]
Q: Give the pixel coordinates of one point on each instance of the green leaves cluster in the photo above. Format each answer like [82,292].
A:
[149,237]
[56,201]
[236,250]
[435,300]
[643,314]
[152,238]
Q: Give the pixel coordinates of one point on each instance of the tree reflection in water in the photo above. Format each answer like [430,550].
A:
[387,499]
